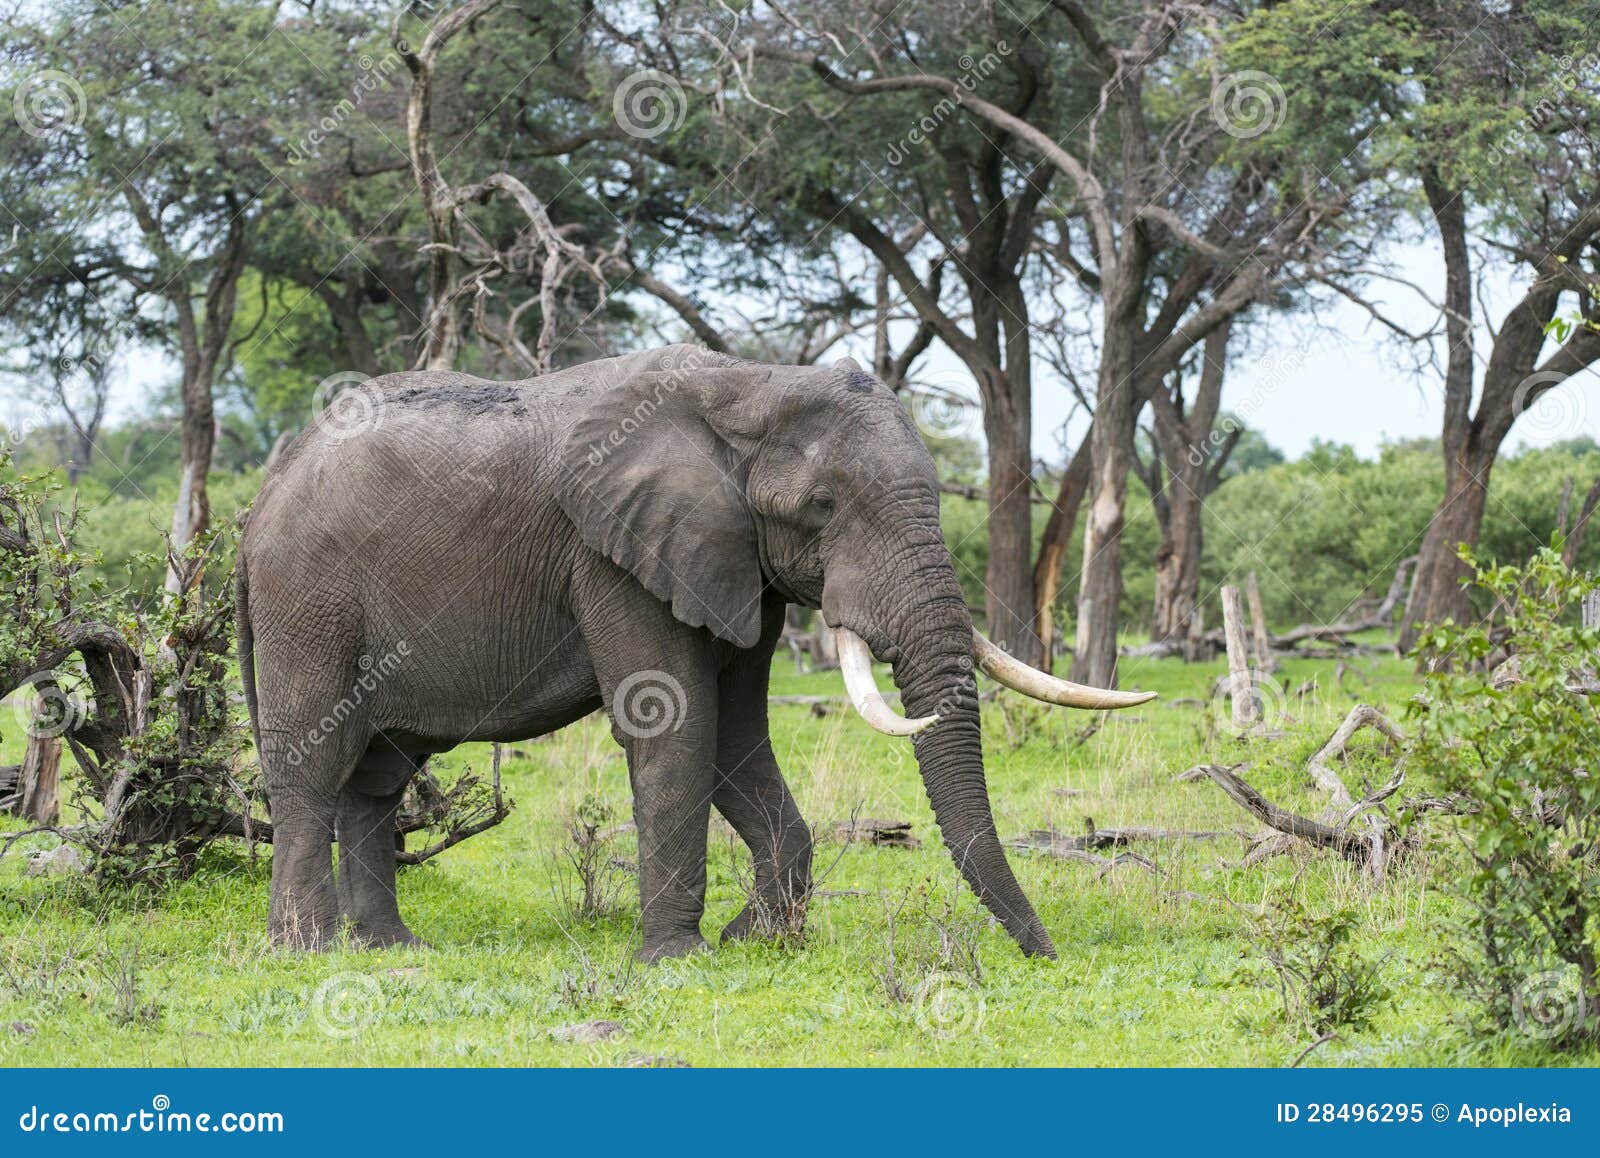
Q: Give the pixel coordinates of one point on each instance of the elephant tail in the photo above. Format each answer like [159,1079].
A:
[247,647]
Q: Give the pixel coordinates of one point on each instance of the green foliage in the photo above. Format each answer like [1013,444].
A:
[1325,532]
[1322,978]
[143,699]
[1519,755]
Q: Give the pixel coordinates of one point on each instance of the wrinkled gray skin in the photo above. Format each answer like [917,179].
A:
[442,559]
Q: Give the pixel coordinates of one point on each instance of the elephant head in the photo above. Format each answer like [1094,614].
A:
[714,478]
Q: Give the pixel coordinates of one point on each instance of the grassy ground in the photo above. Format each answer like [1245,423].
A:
[1154,969]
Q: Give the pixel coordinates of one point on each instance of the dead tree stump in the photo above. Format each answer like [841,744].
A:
[1245,714]
[40,780]
[1261,637]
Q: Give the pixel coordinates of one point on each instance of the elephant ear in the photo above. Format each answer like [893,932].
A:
[651,483]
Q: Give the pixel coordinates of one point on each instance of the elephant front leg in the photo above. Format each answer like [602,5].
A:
[658,677]
[752,796]
[672,811]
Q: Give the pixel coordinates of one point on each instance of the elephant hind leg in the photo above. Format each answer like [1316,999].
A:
[369,804]
[301,795]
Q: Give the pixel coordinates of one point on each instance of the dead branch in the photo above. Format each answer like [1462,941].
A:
[1329,780]
[1370,845]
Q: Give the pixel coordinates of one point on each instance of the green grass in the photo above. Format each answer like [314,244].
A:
[1153,970]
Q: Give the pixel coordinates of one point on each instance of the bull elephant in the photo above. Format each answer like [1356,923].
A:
[440,558]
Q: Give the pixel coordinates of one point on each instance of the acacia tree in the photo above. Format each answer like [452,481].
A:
[610,219]
[1193,220]
[1506,154]
[1163,202]
[140,156]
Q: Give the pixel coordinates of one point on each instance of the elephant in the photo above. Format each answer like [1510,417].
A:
[439,558]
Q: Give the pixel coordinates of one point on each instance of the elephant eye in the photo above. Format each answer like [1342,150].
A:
[822,503]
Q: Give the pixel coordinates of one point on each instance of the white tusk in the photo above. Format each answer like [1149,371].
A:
[855,664]
[1030,681]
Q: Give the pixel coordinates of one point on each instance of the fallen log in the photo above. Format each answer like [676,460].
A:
[1054,843]
[1371,844]
[865,830]
[1102,863]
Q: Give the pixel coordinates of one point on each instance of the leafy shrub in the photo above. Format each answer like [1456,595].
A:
[1515,751]
[1325,983]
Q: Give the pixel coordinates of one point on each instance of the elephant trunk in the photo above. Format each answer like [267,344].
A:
[934,670]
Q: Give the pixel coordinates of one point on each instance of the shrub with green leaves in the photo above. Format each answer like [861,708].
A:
[1516,752]
[1324,981]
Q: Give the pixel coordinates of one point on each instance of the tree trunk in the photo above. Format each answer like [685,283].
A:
[40,777]
[1189,447]
[1008,581]
[1437,593]
[191,514]
[345,310]
[1178,559]
[1053,546]
[204,342]
[1094,660]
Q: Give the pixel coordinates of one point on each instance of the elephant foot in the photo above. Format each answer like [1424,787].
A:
[674,945]
[395,936]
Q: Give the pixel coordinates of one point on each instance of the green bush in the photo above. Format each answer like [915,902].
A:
[1517,755]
